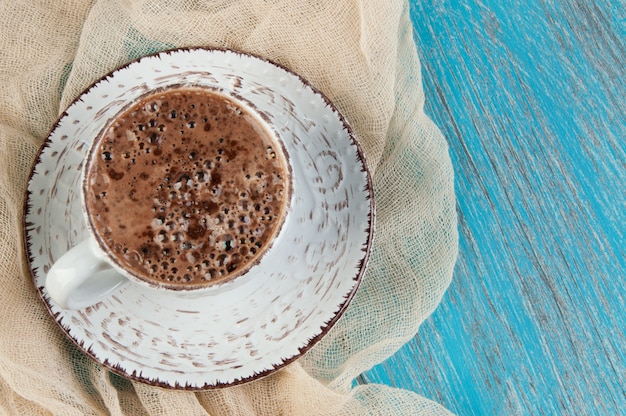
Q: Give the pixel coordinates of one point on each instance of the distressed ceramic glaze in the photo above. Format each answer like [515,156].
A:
[246,328]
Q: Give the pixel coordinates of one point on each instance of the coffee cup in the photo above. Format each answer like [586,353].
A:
[184,189]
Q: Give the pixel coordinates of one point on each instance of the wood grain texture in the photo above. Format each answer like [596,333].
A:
[531,97]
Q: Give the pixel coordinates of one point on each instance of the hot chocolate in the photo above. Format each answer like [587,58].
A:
[186,188]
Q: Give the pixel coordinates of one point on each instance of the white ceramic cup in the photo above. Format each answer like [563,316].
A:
[91,271]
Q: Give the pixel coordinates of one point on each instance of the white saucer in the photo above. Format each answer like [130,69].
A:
[257,324]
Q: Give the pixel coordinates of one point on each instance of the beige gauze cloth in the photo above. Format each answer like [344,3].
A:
[361,54]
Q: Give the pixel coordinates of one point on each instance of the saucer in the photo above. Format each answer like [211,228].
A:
[244,329]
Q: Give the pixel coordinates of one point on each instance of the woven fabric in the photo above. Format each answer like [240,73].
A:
[362,56]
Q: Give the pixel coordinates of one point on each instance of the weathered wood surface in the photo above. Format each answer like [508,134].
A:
[532,99]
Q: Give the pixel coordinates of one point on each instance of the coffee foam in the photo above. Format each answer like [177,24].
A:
[186,188]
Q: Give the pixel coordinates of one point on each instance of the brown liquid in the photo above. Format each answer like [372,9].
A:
[186,188]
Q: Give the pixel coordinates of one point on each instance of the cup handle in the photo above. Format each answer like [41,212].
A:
[82,277]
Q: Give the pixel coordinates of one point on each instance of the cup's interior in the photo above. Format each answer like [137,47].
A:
[186,187]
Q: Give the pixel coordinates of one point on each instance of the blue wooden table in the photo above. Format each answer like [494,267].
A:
[531,98]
